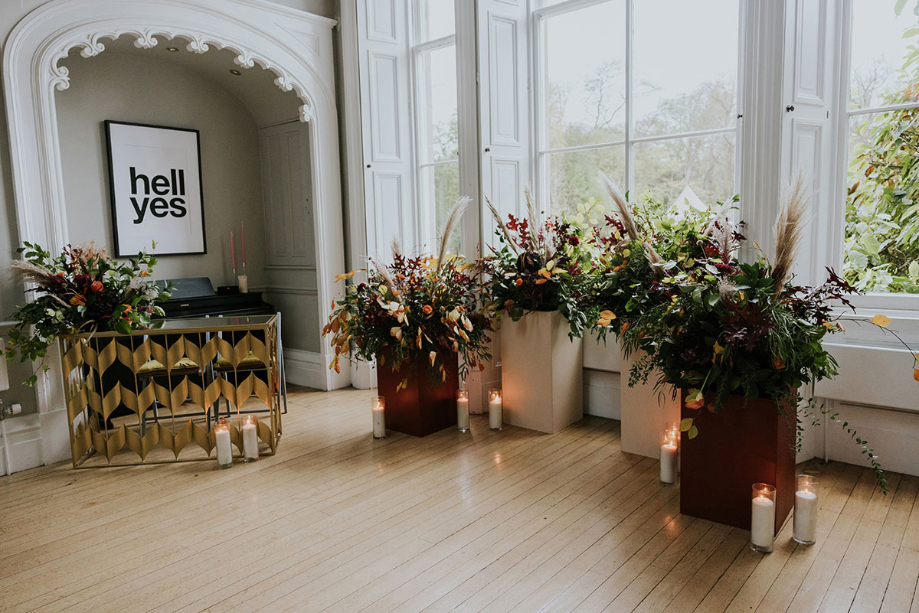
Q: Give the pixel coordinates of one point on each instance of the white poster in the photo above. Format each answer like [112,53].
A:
[155,179]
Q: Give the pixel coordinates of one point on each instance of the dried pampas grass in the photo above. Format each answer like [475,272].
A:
[623,209]
[507,235]
[789,228]
[456,213]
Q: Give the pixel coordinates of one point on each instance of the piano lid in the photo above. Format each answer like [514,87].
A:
[189,287]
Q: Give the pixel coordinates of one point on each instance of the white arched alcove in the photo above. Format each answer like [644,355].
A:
[296,46]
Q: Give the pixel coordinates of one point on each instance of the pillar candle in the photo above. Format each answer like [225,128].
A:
[379,417]
[805,518]
[250,440]
[495,409]
[668,462]
[462,410]
[224,447]
[762,522]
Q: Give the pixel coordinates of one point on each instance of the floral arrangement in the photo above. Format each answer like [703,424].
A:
[417,310]
[714,326]
[631,250]
[535,265]
[80,290]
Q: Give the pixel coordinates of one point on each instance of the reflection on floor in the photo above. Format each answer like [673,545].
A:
[509,521]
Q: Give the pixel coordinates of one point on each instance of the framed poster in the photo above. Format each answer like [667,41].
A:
[155,181]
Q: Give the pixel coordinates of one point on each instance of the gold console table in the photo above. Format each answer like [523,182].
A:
[154,395]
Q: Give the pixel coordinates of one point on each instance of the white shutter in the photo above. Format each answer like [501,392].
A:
[503,106]
[386,125]
[503,138]
[807,145]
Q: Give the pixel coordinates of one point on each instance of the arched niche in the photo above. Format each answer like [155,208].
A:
[296,46]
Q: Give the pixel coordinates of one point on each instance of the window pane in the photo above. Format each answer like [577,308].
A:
[685,65]
[585,76]
[437,105]
[882,207]
[439,192]
[879,50]
[434,19]
[700,169]
[572,177]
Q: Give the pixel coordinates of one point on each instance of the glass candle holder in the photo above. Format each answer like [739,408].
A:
[462,410]
[495,409]
[805,518]
[224,446]
[670,453]
[249,432]
[378,408]
[762,519]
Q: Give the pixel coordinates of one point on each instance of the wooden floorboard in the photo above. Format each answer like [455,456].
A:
[484,521]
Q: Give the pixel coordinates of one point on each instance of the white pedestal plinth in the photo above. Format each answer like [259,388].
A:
[644,413]
[541,373]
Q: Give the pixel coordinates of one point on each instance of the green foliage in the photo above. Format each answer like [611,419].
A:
[80,290]
[882,204]
[416,311]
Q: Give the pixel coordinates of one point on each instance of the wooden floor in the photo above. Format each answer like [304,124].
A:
[509,521]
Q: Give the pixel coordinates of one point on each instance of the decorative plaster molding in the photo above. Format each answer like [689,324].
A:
[252,29]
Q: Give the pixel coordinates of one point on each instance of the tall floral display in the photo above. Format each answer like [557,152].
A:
[422,320]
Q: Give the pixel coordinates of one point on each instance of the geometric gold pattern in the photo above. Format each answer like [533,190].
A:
[131,414]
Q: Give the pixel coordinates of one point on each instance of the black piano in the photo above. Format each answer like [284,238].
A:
[195,297]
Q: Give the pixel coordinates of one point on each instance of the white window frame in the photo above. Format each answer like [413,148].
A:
[905,305]
[541,151]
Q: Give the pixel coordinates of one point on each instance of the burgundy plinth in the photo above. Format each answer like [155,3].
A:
[738,446]
[420,408]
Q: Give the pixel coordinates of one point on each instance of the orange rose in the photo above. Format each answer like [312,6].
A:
[519,282]
[78,299]
[427,309]
[96,286]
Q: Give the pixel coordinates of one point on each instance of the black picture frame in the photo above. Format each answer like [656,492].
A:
[117,242]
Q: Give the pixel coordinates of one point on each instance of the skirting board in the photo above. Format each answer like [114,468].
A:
[309,369]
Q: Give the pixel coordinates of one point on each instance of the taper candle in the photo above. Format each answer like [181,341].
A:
[242,237]
[232,253]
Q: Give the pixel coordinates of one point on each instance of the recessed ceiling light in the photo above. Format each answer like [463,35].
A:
[235,72]
[172,49]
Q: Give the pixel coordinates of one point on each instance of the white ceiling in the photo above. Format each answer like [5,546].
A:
[254,86]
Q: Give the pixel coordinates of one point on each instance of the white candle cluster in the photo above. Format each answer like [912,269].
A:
[762,520]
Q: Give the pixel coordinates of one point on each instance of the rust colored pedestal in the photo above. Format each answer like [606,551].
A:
[737,447]
[420,408]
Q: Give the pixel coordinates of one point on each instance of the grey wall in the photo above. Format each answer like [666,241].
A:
[142,89]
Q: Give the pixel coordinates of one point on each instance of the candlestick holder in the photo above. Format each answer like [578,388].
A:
[462,410]
[762,519]
[495,409]
[378,408]
[670,450]
[249,431]
[224,446]
[805,517]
